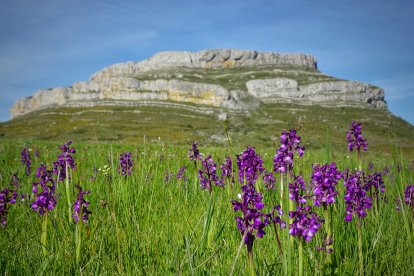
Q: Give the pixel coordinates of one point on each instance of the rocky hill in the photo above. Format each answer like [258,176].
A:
[179,97]
[234,80]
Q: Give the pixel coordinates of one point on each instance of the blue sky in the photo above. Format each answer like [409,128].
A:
[50,43]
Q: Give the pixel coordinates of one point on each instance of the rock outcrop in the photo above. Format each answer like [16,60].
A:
[123,84]
[206,59]
[333,92]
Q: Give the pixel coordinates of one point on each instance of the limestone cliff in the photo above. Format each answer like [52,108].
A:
[225,78]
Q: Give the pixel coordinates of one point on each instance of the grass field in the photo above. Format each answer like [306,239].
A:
[144,224]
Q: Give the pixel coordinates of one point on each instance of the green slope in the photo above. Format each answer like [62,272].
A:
[318,126]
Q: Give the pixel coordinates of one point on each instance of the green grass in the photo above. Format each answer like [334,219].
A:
[143,225]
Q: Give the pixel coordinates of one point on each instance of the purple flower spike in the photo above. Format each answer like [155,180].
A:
[227,170]
[125,164]
[289,143]
[7,198]
[305,223]
[180,174]
[356,199]
[208,175]
[14,181]
[275,216]
[376,182]
[355,139]
[253,221]
[270,180]
[397,204]
[65,158]
[326,245]
[26,160]
[45,199]
[80,207]
[194,153]
[250,166]
[168,177]
[324,180]
[409,195]
[297,190]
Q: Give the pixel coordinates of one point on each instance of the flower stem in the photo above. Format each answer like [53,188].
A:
[226,129]
[361,256]
[68,192]
[43,238]
[291,208]
[237,254]
[251,262]
[300,257]
[328,230]
[78,241]
[288,270]
[359,160]
[281,191]
[279,245]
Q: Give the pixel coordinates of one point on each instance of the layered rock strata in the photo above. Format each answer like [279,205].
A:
[119,85]
[328,92]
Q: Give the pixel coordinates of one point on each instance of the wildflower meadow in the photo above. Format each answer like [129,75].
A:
[102,208]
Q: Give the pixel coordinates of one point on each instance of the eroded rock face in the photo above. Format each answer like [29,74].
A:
[41,99]
[270,88]
[127,89]
[117,84]
[323,92]
[214,58]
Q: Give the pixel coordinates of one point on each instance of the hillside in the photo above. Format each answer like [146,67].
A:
[185,96]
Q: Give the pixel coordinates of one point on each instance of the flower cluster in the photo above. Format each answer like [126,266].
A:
[356,198]
[208,175]
[324,180]
[355,139]
[14,181]
[409,195]
[45,199]
[25,159]
[375,181]
[297,190]
[250,166]
[326,245]
[168,177]
[125,164]
[305,223]
[7,197]
[194,153]
[275,216]
[269,180]
[180,174]
[289,143]
[397,204]
[253,221]
[80,207]
[65,160]
[227,169]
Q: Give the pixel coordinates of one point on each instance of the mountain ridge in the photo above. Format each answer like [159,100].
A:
[226,78]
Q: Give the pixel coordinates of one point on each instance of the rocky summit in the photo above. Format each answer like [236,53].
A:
[228,79]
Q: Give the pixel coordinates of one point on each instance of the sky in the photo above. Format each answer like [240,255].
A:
[54,43]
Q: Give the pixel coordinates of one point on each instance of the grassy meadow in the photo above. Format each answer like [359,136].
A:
[145,223]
